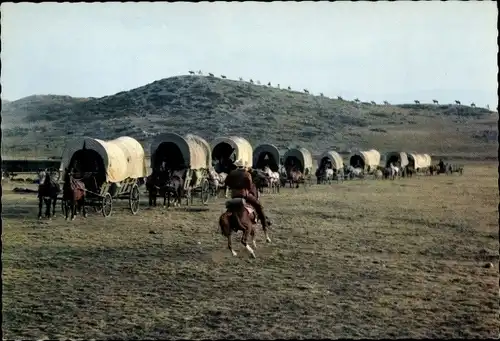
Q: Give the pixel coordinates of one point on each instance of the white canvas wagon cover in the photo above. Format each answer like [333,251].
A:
[122,157]
[192,147]
[400,157]
[370,158]
[334,157]
[419,160]
[271,149]
[303,155]
[242,148]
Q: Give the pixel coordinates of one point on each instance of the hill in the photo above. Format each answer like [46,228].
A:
[40,125]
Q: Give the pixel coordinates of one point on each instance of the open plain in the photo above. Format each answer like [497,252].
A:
[366,258]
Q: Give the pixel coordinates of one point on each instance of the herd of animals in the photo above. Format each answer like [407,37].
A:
[241,186]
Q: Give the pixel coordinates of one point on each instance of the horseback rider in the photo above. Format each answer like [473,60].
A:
[241,184]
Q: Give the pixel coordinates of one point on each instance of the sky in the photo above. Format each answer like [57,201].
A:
[395,51]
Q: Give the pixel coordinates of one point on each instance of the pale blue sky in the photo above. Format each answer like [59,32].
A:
[396,51]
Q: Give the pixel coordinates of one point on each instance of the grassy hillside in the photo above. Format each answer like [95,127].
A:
[40,125]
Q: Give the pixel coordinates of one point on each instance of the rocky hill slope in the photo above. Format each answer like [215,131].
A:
[40,125]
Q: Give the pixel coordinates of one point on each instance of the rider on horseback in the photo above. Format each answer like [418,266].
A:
[241,185]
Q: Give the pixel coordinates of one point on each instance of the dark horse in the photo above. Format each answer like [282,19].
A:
[73,194]
[240,216]
[174,187]
[167,184]
[155,185]
[48,190]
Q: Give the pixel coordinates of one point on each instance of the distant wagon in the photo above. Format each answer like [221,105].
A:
[367,160]
[226,151]
[400,158]
[419,162]
[331,159]
[109,169]
[300,159]
[191,153]
[266,155]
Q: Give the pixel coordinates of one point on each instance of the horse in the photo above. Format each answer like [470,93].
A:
[73,195]
[215,181]
[355,172]
[295,176]
[274,179]
[48,190]
[394,171]
[174,186]
[155,185]
[324,174]
[240,216]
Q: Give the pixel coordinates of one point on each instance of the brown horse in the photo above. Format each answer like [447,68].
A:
[295,177]
[241,216]
[73,195]
[175,187]
[48,190]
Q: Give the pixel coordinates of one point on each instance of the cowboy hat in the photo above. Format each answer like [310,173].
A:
[239,163]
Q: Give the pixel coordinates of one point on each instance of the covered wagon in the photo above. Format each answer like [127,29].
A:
[368,160]
[299,158]
[419,162]
[229,150]
[331,159]
[109,169]
[395,158]
[170,151]
[266,155]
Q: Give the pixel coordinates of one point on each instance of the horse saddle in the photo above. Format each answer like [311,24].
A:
[238,202]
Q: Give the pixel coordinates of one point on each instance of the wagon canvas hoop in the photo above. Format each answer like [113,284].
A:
[263,151]
[370,158]
[334,157]
[419,161]
[242,149]
[122,158]
[194,150]
[394,157]
[303,156]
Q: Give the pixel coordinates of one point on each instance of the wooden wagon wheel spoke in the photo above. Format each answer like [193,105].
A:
[134,199]
[205,191]
[107,205]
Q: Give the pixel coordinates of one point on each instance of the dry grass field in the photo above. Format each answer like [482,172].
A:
[372,259]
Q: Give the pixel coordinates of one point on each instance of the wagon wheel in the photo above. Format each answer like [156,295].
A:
[107,205]
[205,191]
[134,199]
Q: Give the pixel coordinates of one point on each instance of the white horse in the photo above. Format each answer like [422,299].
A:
[274,179]
[394,171]
[217,181]
[355,172]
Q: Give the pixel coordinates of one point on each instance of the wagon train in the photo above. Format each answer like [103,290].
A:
[299,159]
[189,155]
[110,170]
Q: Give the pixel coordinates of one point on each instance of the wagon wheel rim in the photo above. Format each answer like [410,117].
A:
[205,192]
[107,205]
[134,199]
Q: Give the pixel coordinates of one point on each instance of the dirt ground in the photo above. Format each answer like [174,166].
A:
[372,259]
